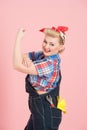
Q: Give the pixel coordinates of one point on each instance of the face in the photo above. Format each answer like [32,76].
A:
[50,45]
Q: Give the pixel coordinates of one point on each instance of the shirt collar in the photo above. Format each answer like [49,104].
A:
[54,56]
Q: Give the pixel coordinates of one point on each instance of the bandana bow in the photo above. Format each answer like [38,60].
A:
[58,29]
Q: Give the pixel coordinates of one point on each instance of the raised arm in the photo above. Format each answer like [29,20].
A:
[19,58]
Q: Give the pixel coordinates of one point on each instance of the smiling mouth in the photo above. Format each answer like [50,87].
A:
[47,51]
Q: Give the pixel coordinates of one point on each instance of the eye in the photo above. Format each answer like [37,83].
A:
[51,44]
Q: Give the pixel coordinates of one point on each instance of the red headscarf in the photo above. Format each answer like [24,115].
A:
[58,29]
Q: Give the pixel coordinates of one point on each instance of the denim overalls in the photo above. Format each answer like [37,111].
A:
[43,115]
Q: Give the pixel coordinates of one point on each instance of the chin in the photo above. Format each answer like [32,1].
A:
[47,54]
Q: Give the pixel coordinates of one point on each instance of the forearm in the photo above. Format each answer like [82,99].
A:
[17,54]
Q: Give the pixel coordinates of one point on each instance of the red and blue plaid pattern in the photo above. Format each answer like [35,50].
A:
[48,71]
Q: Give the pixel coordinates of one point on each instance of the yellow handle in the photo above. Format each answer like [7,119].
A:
[61,104]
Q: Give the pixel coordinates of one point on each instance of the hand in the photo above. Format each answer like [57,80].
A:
[21,33]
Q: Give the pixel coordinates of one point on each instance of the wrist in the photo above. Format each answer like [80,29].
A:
[18,39]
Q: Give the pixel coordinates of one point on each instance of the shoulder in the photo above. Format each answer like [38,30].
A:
[55,60]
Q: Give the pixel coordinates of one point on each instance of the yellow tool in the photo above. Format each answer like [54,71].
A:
[61,104]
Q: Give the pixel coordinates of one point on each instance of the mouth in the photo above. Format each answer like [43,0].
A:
[46,50]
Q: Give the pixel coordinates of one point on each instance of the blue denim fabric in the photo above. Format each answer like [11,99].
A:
[43,116]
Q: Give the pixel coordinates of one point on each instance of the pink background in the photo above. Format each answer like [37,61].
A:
[34,15]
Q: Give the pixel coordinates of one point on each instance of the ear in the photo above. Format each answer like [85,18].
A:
[61,48]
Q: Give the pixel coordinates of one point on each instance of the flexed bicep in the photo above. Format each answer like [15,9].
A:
[28,70]
[27,66]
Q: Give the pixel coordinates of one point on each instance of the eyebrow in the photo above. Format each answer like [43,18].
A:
[45,40]
[49,42]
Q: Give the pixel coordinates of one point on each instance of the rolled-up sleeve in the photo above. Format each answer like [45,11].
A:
[34,55]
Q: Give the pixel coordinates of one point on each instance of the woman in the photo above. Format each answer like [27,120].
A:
[43,77]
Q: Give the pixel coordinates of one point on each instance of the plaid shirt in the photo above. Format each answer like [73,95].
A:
[48,71]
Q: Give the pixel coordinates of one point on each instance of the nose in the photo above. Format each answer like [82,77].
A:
[47,46]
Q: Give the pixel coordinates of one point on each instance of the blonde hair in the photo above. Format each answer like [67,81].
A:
[53,33]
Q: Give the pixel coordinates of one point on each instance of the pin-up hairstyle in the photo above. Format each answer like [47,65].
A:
[56,32]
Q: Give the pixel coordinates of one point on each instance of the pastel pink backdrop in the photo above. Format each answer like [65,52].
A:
[33,15]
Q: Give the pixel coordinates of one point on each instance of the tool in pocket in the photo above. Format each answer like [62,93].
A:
[61,104]
[49,99]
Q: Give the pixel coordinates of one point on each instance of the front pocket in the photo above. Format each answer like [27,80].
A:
[56,116]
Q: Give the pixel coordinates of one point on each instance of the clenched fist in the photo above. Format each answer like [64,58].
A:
[20,33]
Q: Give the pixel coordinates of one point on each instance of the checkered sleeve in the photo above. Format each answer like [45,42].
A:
[44,67]
[34,55]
